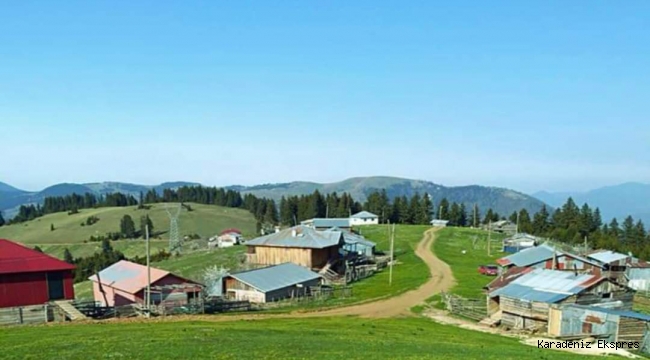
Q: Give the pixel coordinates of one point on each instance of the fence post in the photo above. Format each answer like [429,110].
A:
[20,315]
[47,319]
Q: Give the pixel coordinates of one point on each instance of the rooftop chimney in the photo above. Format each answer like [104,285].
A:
[293,233]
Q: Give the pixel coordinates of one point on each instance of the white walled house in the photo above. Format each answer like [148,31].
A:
[364,218]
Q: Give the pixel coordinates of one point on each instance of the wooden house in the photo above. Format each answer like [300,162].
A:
[437,223]
[524,303]
[637,276]
[29,277]
[124,283]
[269,284]
[613,325]
[301,245]
[520,241]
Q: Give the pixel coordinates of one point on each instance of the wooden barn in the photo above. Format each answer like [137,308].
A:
[124,283]
[614,325]
[301,245]
[524,303]
[29,277]
[269,284]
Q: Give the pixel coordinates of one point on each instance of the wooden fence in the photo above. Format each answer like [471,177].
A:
[475,309]
[37,314]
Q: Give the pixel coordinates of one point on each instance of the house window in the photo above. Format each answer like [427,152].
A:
[607,295]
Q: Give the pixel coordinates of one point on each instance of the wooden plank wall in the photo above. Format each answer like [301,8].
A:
[277,255]
[631,329]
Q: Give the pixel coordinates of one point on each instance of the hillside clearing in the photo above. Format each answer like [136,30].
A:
[204,220]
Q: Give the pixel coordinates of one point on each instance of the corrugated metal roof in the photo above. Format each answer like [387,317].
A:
[276,277]
[351,238]
[305,237]
[327,222]
[364,215]
[622,313]
[529,256]
[16,258]
[129,277]
[607,257]
[547,285]
[507,277]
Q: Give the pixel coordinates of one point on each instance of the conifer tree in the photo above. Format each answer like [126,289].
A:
[2,220]
[67,256]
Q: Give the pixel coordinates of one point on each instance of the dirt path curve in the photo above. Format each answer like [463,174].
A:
[441,280]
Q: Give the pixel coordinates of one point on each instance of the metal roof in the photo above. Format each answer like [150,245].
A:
[130,277]
[300,236]
[607,256]
[622,313]
[276,277]
[364,215]
[16,258]
[529,256]
[327,222]
[548,286]
[351,238]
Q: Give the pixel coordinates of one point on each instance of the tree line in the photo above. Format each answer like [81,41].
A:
[294,209]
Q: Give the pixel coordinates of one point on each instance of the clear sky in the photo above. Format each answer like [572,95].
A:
[548,95]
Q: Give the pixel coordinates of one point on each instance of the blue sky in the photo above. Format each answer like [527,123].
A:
[548,95]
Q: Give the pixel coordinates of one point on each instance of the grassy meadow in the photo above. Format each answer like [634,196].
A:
[449,247]
[204,220]
[305,338]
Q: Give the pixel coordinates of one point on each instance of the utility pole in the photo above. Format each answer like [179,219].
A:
[327,211]
[148,294]
[517,231]
[489,242]
[475,208]
[440,213]
[392,244]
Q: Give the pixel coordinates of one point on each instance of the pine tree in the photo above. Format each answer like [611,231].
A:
[541,221]
[271,214]
[144,222]
[454,215]
[476,216]
[489,217]
[127,227]
[525,224]
[414,209]
[2,220]
[425,210]
[462,219]
[514,217]
[38,248]
[51,227]
[443,209]
[286,213]
[67,256]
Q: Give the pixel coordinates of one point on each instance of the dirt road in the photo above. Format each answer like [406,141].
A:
[441,280]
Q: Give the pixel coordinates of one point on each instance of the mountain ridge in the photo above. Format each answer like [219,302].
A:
[614,201]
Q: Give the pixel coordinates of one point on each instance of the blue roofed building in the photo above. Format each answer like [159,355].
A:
[364,218]
[524,303]
[327,223]
[271,283]
[546,257]
[357,244]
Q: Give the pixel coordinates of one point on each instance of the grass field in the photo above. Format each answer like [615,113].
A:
[204,220]
[449,248]
[315,338]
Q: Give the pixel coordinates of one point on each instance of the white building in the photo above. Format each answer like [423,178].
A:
[364,218]
[439,223]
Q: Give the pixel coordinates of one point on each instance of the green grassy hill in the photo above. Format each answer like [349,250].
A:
[204,220]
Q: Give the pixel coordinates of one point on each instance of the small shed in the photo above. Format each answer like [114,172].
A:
[520,241]
[637,276]
[29,277]
[602,322]
[364,218]
[271,283]
[439,223]
[124,283]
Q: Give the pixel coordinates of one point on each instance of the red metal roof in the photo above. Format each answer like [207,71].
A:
[16,259]
[231,230]
[507,277]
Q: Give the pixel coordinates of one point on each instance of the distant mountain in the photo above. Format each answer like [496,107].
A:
[11,198]
[504,201]
[614,201]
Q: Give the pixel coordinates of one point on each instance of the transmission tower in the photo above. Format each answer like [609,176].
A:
[174,210]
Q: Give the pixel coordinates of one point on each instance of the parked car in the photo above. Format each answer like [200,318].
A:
[490,270]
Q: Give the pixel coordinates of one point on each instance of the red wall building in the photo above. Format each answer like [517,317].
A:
[29,277]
